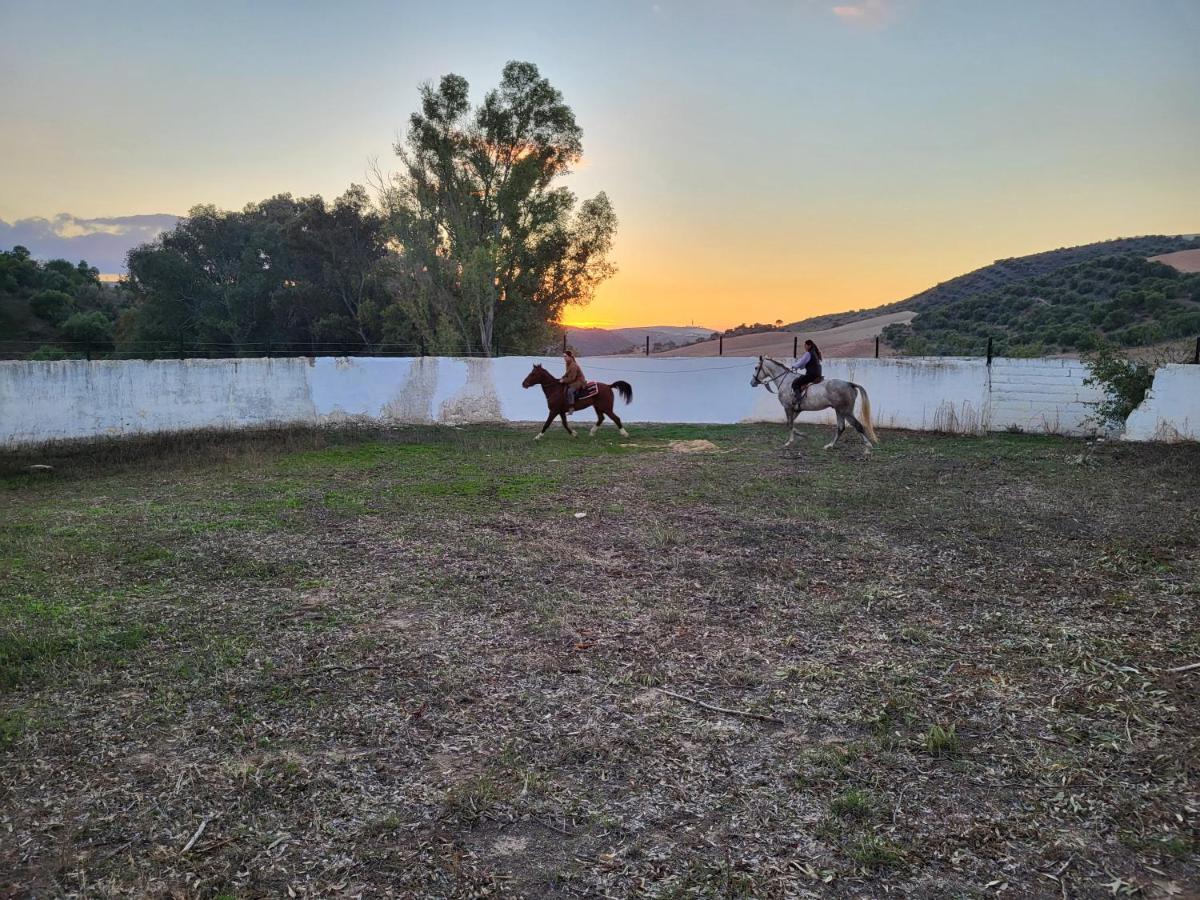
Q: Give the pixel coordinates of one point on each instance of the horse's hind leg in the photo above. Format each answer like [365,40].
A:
[862,433]
[566,426]
[599,420]
[841,426]
[617,421]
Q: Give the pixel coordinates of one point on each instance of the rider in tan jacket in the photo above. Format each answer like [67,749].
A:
[572,378]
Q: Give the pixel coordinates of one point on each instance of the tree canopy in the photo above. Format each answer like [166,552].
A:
[492,247]
[474,246]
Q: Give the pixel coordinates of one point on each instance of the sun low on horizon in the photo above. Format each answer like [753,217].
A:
[765,162]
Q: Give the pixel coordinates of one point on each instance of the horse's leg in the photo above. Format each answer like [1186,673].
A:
[616,420]
[600,410]
[563,415]
[841,426]
[861,431]
[549,419]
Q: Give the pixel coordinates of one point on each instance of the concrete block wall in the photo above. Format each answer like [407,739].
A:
[45,401]
[1042,395]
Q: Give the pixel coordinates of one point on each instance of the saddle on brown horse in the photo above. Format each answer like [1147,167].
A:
[587,392]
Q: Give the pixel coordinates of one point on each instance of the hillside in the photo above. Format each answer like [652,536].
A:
[1004,272]
[851,339]
[1123,299]
[604,341]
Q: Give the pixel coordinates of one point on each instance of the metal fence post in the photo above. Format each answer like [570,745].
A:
[877,346]
[647,345]
[989,359]
[795,346]
[721,345]
[1196,357]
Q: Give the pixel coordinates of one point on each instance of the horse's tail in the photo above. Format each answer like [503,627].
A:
[623,388]
[866,413]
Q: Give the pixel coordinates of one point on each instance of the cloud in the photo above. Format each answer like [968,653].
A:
[865,12]
[103,242]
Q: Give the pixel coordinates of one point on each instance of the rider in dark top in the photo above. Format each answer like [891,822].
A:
[809,365]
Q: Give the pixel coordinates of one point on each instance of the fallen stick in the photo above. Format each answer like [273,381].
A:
[720,709]
[1187,668]
[195,837]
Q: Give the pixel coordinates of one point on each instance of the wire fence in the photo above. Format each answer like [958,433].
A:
[768,344]
[58,349]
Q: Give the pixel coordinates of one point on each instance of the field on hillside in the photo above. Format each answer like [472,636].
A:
[451,662]
[854,339]
[1183,260]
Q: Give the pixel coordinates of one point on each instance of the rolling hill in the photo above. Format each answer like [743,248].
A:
[1004,272]
[851,339]
[1126,300]
[606,341]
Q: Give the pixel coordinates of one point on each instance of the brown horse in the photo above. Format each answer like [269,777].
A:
[556,400]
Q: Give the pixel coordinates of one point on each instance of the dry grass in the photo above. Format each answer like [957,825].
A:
[396,664]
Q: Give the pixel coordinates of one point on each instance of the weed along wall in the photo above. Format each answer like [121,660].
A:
[46,401]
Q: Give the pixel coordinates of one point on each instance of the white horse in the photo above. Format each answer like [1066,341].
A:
[832,393]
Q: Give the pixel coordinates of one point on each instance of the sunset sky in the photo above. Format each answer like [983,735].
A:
[766,159]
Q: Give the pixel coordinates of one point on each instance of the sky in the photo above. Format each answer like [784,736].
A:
[767,160]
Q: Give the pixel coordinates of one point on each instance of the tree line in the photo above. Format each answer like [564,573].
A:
[473,246]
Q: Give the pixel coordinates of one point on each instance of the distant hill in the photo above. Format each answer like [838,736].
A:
[1123,299]
[851,339]
[1058,301]
[605,341]
[1004,272]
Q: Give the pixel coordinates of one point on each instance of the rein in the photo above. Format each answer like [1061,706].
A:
[768,383]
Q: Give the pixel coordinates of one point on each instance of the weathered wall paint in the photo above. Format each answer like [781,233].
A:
[44,401]
[1171,410]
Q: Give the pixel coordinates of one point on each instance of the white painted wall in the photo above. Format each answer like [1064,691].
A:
[1043,395]
[1171,410]
[42,401]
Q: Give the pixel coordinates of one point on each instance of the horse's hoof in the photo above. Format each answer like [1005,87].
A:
[538,436]
[624,433]
[827,447]
[574,434]
[592,433]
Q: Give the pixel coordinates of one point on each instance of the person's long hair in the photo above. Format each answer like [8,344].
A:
[814,350]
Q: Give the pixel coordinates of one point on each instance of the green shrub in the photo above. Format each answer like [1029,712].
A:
[1123,381]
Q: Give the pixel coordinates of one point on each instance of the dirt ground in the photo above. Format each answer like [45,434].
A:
[453,663]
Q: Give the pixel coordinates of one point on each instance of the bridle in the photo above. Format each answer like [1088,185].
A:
[769,383]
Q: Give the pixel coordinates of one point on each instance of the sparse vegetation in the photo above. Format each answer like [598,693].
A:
[373,661]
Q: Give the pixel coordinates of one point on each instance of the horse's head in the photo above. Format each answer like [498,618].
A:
[536,376]
[759,374]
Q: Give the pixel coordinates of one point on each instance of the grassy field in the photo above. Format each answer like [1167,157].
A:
[404,664]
